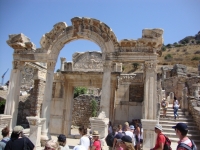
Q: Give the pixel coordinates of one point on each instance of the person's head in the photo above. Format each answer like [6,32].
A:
[95,135]
[17,132]
[119,127]
[126,143]
[62,140]
[132,128]
[158,128]
[52,145]
[5,132]
[115,129]
[110,123]
[82,131]
[181,129]
[126,124]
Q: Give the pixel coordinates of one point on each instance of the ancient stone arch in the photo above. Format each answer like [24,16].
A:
[144,50]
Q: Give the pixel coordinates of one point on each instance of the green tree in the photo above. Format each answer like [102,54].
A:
[135,65]
[94,107]
[58,70]
[79,90]
[168,56]
[2,106]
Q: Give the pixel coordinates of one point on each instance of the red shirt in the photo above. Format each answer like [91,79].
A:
[186,141]
[160,139]
[97,144]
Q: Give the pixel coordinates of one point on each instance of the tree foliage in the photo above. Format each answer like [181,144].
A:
[79,90]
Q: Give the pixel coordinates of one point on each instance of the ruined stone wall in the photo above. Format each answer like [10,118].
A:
[82,110]
[194,109]
[31,105]
[190,81]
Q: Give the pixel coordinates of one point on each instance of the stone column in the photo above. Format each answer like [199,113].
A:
[46,105]
[106,89]
[149,135]
[12,100]
[68,105]
[4,121]
[150,90]
[62,66]
[35,129]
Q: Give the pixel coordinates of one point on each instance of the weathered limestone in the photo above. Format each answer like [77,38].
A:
[12,102]
[35,129]
[149,135]
[5,120]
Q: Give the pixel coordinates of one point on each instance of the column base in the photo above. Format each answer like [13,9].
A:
[149,136]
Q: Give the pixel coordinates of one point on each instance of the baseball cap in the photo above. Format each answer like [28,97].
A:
[127,139]
[132,127]
[18,129]
[62,138]
[118,136]
[158,126]
[181,127]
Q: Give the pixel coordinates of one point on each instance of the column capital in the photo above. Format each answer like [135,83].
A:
[150,66]
[35,121]
[18,64]
[107,66]
[62,59]
[51,65]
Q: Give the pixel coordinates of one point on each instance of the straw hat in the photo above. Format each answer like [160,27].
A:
[95,133]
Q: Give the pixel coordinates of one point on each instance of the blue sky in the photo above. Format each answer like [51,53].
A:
[127,18]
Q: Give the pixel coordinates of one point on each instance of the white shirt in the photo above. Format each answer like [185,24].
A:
[79,147]
[129,133]
[85,141]
[66,147]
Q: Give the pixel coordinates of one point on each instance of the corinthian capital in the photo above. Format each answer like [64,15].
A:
[51,65]
[18,64]
[150,66]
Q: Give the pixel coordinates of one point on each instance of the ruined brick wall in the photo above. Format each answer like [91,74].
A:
[194,109]
[82,110]
[31,105]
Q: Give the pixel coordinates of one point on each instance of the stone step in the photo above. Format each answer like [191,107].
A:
[197,141]
[191,127]
[173,135]
[171,112]
[180,116]
[174,122]
[190,131]
[179,119]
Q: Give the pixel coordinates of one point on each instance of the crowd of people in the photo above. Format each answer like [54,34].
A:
[128,137]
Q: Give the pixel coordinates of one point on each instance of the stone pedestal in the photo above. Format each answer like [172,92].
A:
[100,124]
[149,136]
[35,129]
[4,121]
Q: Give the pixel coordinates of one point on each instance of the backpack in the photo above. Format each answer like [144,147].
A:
[167,145]
[110,139]
[194,147]
[163,104]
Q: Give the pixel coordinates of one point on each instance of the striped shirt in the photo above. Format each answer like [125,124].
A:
[186,141]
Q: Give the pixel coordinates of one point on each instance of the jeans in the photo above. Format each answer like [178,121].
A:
[175,112]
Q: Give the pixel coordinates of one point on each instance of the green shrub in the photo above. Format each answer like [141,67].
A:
[135,65]
[163,48]
[168,56]
[94,107]
[2,106]
[196,58]
[198,42]
[79,90]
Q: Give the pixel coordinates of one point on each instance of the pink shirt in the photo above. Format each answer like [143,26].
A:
[97,144]
[186,141]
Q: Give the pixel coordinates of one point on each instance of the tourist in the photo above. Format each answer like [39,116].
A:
[116,143]
[110,138]
[160,141]
[84,140]
[119,128]
[18,141]
[181,131]
[141,136]
[137,136]
[110,128]
[52,145]
[126,143]
[126,125]
[175,107]
[63,142]
[5,133]
[97,143]
[164,105]
[79,147]
[132,129]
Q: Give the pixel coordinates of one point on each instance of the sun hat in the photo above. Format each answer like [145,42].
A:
[132,127]
[181,127]
[18,129]
[61,138]
[95,133]
[126,123]
[158,126]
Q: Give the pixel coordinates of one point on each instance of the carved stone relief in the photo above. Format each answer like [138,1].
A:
[136,93]
[150,66]
[130,78]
